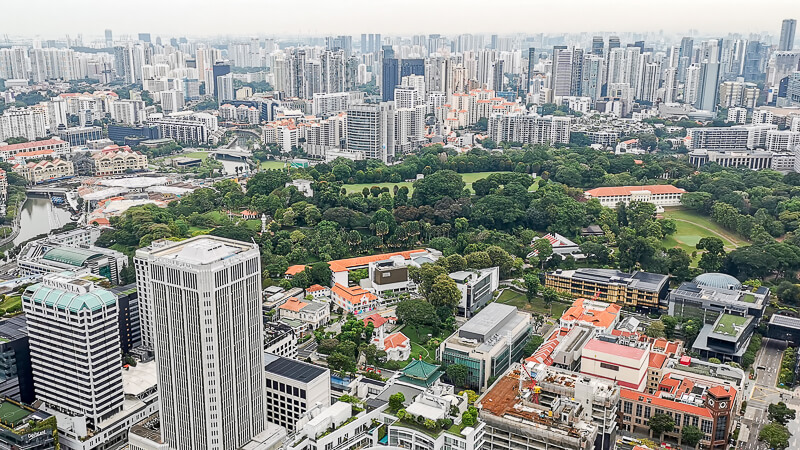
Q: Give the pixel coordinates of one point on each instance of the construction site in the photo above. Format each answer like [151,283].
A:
[516,417]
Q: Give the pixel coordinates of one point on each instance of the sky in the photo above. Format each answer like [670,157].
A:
[193,18]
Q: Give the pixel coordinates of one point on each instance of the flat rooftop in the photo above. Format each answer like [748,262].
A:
[488,321]
[291,368]
[730,325]
[643,281]
[203,250]
[785,321]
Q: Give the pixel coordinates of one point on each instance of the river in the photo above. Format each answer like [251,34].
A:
[34,218]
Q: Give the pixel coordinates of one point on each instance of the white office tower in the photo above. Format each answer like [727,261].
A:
[225,86]
[73,327]
[204,295]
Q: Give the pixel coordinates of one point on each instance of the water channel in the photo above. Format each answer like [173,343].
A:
[39,216]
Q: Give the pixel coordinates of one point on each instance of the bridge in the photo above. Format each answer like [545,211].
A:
[231,155]
[46,191]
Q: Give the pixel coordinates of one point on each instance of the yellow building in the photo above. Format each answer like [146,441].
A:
[637,289]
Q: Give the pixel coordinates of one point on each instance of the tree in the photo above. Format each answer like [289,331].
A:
[691,435]
[656,330]
[444,292]
[711,260]
[456,263]
[265,182]
[679,262]
[532,286]
[467,419]
[425,276]
[415,312]
[780,413]
[775,435]
[549,295]
[432,188]
[479,260]
[457,374]
[341,363]
[714,361]
[533,345]
[660,424]
[396,401]
[670,323]
[543,249]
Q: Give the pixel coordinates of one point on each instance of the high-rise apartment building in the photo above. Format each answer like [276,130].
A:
[204,299]
[597,45]
[371,130]
[786,42]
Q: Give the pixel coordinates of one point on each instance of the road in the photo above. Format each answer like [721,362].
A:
[762,392]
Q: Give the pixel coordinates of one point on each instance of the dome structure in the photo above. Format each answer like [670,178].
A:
[718,280]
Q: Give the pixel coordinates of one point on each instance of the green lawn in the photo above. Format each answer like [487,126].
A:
[11,302]
[692,227]
[728,323]
[468,178]
[273,164]
[538,306]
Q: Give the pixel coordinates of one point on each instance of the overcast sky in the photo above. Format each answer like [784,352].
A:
[55,18]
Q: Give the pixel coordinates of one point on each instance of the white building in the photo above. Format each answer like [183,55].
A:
[294,387]
[529,129]
[325,104]
[29,123]
[660,195]
[73,327]
[737,115]
[210,289]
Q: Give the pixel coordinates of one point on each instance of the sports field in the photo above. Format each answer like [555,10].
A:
[692,227]
[11,414]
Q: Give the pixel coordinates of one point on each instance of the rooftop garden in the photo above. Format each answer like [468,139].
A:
[728,324]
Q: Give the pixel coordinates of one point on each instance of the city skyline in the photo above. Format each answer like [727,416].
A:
[331,17]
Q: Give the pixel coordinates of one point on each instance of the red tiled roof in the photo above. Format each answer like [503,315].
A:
[657,360]
[315,288]
[600,319]
[596,345]
[375,319]
[626,190]
[719,391]
[395,340]
[659,402]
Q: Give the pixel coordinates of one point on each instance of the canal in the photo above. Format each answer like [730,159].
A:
[39,216]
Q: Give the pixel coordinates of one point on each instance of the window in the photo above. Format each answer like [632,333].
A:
[627,407]
[638,410]
[609,366]
[705,426]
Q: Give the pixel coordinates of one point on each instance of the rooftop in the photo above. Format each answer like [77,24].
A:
[72,256]
[730,325]
[290,368]
[203,250]
[598,346]
[627,190]
[488,320]
[70,301]
[644,281]
[784,321]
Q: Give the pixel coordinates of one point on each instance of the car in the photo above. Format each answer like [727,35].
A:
[761,368]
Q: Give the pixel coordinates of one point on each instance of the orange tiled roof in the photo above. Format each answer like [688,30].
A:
[33,153]
[395,340]
[344,265]
[626,190]
[600,319]
[293,304]
[33,144]
[375,319]
[659,402]
[353,295]
[657,360]
[295,269]
[315,288]
[719,391]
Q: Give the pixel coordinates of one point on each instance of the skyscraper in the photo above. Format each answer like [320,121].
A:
[219,69]
[685,57]
[532,60]
[390,74]
[205,297]
[498,76]
[73,328]
[708,83]
[371,130]
[613,42]
[787,35]
[109,38]
[561,77]
[597,45]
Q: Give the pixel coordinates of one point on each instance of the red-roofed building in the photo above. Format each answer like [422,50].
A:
[317,291]
[58,146]
[378,322]
[700,403]
[354,300]
[396,345]
[294,270]
[599,315]
[660,195]
[341,267]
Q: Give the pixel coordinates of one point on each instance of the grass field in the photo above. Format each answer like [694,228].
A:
[468,178]
[538,306]
[273,164]
[728,324]
[12,414]
[11,302]
[692,227]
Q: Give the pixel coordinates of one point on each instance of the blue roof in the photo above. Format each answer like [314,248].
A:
[70,301]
